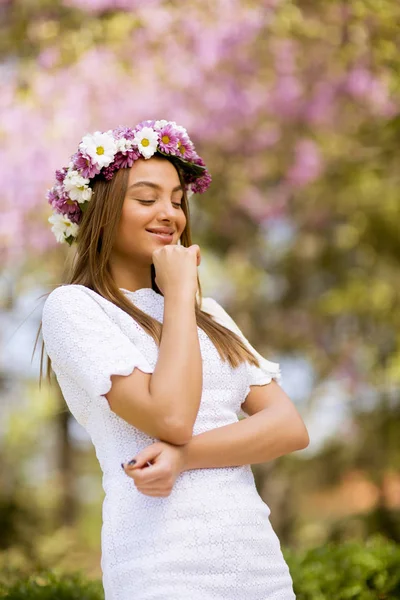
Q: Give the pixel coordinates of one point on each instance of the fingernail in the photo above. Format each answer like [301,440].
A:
[122,465]
[132,462]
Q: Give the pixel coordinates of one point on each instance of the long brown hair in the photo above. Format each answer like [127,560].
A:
[91,268]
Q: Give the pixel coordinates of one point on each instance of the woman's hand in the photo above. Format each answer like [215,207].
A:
[168,462]
[176,268]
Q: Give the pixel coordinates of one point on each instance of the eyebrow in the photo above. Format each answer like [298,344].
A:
[152,185]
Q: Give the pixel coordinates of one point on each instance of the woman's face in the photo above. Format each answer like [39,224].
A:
[153,201]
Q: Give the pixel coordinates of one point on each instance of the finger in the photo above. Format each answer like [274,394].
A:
[132,470]
[144,457]
[139,464]
[195,249]
[198,255]
[146,481]
[146,475]
[145,478]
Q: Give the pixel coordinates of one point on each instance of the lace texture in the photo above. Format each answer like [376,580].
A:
[211,538]
[268,369]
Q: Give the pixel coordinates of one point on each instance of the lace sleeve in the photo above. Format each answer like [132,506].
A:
[84,344]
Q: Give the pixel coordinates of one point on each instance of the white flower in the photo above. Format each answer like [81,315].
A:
[100,147]
[77,186]
[62,227]
[159,124]
[74,179]
[81,195]
[123,145]
[179,128]
[146,140]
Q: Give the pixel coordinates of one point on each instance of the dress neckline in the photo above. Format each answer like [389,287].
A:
[145,291]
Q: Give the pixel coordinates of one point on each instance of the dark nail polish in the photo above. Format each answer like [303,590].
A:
[122,465]
[132,462]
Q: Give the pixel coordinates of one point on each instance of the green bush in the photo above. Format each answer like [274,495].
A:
[49,586]
[347,571]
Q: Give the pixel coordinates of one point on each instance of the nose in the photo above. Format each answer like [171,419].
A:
[166,210]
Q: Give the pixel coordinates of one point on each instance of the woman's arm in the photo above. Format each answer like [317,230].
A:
[179,354]
[271,432]
[274,430]
[164,404]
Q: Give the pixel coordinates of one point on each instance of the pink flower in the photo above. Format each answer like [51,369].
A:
[60,174]
[201,184]
[168,139]
[185,147]
[109,171]
[84,165]
[123,132]
[125,160]
[64,205]
[72,184]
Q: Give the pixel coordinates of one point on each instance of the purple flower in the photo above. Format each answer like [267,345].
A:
[185,147]
[75,215]
[62,203]
[84,165]
[52,196]
[123,132]
[201,183]
[125,160]
[109,171]
[60,174]
[198,160]
[168,139]
[142,124]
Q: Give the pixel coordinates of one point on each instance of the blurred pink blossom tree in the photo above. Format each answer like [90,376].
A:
[290,105]
[256,84]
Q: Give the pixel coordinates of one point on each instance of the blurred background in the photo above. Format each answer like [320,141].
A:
[295,108]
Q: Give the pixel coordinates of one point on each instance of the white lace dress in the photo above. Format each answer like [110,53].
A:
[211,538]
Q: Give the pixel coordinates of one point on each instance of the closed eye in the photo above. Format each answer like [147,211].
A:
[179,204]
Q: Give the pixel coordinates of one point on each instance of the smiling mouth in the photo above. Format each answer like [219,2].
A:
[162,236]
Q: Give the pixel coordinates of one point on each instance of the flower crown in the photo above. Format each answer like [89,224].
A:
[105,153]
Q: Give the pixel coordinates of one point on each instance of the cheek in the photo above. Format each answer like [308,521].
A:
[131,219]
[182,222]
[127,230]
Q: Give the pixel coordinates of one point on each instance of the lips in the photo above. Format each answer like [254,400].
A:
[161,230]
[162,237]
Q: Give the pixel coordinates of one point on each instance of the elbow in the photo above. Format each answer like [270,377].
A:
[303,441]
[183,436]
[176,433]
[301,436]
[297,436]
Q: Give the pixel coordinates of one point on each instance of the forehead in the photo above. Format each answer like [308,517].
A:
[157,170]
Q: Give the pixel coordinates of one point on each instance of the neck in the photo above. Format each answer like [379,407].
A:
[131,277]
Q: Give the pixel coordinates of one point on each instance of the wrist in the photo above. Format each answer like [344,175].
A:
[185,457]
[179,295]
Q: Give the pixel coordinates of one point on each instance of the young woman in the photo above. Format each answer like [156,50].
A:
[158,376]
